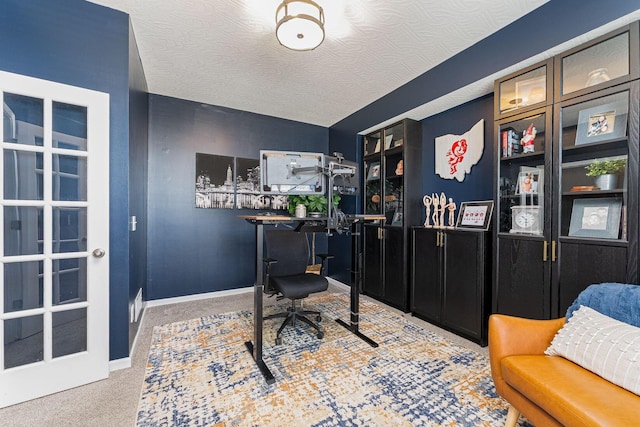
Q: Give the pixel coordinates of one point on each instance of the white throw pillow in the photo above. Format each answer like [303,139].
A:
[603,345]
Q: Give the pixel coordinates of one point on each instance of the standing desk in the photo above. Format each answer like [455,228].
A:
[255,347]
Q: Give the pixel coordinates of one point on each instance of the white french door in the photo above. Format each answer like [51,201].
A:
[54,262]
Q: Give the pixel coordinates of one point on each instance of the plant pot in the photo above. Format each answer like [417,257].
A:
[607,182]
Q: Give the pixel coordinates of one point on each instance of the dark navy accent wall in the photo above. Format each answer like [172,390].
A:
[478,184]
[83,44]
[138,176]
[204,250]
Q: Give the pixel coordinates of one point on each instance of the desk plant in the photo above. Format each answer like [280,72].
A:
[314,203]
[605,172]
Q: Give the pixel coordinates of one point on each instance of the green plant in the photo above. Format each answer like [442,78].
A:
[604,167]
[314,203]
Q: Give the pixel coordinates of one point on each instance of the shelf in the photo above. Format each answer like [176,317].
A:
[519,158]
[593,193]
[593,241]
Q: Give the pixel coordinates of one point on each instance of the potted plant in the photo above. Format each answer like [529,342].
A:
[314,203]
[605,172]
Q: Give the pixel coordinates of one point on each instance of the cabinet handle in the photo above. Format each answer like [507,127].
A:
[553,251]
[544,251]
[437,238]
[379,233]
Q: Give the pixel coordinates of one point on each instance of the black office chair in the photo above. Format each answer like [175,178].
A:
[286,265]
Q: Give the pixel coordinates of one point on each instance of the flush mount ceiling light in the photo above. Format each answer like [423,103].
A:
[300,24]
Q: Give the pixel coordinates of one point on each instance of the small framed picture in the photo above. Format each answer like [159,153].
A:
[531,91]
[397,218]
[530,181]
[602,123]
[475,215]
[374,171]
[387,141]
[599,218]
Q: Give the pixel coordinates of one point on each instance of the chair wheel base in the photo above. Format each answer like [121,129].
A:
[319,319]
[320,335]
[278,341]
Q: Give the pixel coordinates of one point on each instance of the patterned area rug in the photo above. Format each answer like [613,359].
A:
[199,373]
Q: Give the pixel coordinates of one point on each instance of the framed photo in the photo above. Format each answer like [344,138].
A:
[397,218]
[531,91]
[387,141]
[214,183]
[599,218]
[602,123]
[475,215]
[374,171]
[530,181]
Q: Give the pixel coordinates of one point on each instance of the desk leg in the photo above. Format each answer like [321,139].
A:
[258,291]
[356,286]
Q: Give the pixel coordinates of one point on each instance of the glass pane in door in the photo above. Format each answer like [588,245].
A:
[69,126]
[23,230]
[69,178]
[22,285]
[69,280]
[22,119]
[69,332]
[23,341]
[23,175]
[69,230]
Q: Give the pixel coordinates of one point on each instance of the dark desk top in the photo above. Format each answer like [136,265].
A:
[287,218]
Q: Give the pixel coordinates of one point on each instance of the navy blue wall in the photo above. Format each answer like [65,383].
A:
[203,250]
[478,184]
[138,175]
[85,45]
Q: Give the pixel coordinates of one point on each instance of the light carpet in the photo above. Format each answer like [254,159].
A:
[199,373]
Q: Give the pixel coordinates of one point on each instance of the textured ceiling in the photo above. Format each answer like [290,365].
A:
[224,52]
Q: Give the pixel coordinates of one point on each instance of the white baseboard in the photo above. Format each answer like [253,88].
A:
[196,297]
[116,365]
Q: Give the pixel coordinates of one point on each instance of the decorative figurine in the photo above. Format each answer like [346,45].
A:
[528,139]
[400,167]
[451,206]
[436,210]
[427,204]
[443,204]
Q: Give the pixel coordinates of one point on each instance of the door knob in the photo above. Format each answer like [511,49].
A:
[98,253]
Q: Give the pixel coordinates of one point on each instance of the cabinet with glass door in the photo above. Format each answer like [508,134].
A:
[568,205]
[392,185]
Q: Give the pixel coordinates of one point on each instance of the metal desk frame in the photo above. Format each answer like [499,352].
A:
[255,347]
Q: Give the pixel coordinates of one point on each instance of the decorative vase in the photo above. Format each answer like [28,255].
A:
[597,76]
[607,181]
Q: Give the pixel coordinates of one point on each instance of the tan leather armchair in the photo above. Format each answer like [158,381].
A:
[509,336]
[551,390]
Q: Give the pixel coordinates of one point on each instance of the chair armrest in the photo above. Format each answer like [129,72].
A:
[324,257]
[269,261]
[510,335]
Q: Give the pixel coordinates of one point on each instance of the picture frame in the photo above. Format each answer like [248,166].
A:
[530,181]
[374,171]
[475,215]
[531,91]
[387,141]
[596,217]
[397,218]
[602,123]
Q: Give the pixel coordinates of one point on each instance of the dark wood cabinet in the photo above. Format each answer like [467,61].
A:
[566,230]
[450,280]
[392,165]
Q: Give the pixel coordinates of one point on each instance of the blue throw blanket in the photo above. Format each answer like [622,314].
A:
[617,300]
